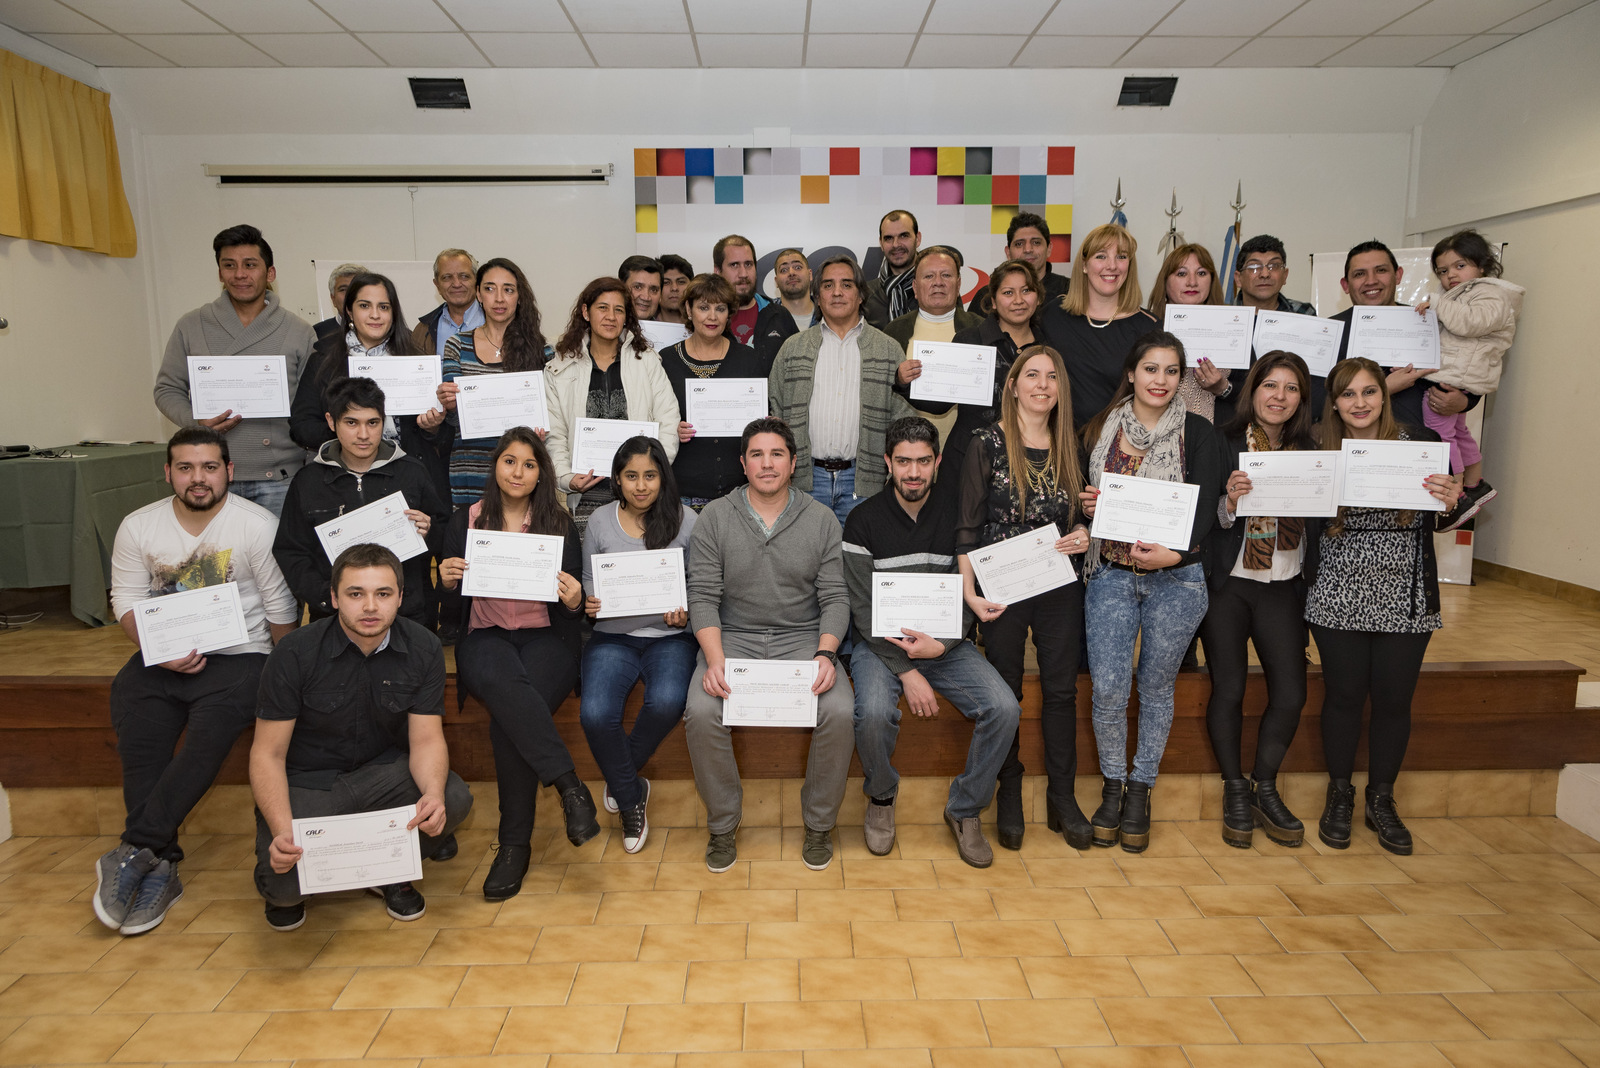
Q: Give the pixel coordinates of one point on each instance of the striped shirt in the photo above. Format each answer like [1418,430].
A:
[836,395]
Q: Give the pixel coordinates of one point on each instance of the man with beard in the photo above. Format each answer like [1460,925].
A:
[889,296]
[794,312]
[734,258]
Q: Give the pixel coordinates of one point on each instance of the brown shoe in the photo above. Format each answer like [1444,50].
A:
[970,843]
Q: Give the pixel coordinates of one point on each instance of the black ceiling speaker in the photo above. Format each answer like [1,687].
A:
[447,93]
[1143,92]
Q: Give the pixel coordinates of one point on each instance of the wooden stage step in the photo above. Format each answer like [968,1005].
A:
[56,730]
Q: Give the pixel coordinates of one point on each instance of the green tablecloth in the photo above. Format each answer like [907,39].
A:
[59,518]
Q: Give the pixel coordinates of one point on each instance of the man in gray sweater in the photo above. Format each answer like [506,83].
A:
[246,320]
[766,582]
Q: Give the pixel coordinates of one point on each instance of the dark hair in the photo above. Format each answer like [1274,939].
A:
[343,394]
[1471,246]
[571,343]
[1369,246]
[938,250]
[674,262]
[547,515]
[332,352]
[855,275]
[782,252]
[712,287]
[198,435]
[243,234]
[1006,270]
[910,430]
[722,246]
[665,517]
[767,424]
[366,554]
[1155,339]
[1296,433]
[1259,245]
[1169,267]
[522,347]
[1024,219]
[639,263]
[896,213]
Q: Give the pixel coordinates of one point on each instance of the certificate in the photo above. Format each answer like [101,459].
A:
[410,384]
[1021,567]
[929,603]
[959,374]
[662,336]
[723,407]
[359,850]
[512,566]
[1389,474]
[1216,332]
[489,405]
[201,620]
[1290,483]
[770,693]
[1394,336]
[254,387]
[648,583]
[1313,339]
[383,522]
[595,442]
[1150,510]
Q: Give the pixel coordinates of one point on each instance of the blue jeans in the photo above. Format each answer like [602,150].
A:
[836,489]
[1161,609]
[612,663]
[966,680]
[269,493]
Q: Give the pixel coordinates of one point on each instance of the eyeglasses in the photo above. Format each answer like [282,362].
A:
[1275,267]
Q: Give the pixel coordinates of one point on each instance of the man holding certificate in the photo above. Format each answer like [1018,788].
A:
[202,536]
[350,720]
[766,584]
[898,546]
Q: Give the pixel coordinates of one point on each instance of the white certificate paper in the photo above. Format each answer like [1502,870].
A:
[410,384]
[1290,483]
[1021,567]
[201,620]
[959,374]
[929,603]
[662,336]
[1217,332]
[723,407]
[383,522]
[254,387]
[595,442]
[1395,336]
[770,693]
[1150,510]
[489,405]
[512,566]
[358,850]
[647,583]
[1313,339]
[1389,474]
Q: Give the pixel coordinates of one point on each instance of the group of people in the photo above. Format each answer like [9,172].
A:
[783,530]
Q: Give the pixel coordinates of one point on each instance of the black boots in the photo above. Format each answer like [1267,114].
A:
[1106,823]
[1008,820]
[1238,818]
[1069,819]
[577,807]
[1382,818]
[1136,817]
[506,871]
[1274,816]
[1337,812]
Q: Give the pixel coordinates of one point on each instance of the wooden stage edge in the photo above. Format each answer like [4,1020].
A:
[1489,715]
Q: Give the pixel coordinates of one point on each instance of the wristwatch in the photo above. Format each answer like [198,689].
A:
[832,657]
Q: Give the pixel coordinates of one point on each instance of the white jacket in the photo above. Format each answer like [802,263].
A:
[650,399]
[1477,323]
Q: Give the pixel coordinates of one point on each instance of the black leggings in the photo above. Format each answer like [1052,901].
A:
[1271,614]
[1056,619]
[1357,664]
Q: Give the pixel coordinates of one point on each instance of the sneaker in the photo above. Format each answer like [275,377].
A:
[721,852]
[286,917]
[878,828]
[577,806]
[117,876]
[972,846]
[1472,502]
[160,890]
[610,803]
[635,828]
[817,850]
[401,899]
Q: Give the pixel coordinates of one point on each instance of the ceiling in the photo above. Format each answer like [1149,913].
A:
[458,34]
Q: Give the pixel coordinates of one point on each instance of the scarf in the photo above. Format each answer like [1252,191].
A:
[355,350]
[1163,452]
[898,289]
[1263,534]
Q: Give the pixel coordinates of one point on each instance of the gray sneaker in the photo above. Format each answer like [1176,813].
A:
[160,890]
[117,876]
[970,842]
[721,852]
[817,850]
[879,827]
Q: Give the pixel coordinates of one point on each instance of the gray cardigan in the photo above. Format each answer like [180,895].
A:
[744,581]
[604,534]
[260,448]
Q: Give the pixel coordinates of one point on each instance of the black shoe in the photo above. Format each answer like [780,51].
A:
[447,849]
[1337,812]
[504,880]
[1274,816]
[1106,823]
[402,900]
[286,917]
[577,805]
[1008,820]
[1238,821]
[1069,819]
[1136,817]
[1382,817]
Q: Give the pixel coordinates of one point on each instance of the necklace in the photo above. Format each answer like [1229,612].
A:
[1041,476]
[1098,326]
[490,339]
[696,367]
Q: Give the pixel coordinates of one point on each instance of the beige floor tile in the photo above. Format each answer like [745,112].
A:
[1387,1055]
[1535,931]
[287,990]
[939,978]
[1446,868]
[51,1039]
[746,906]
[1223,935]
[163,991]
[982,1057]
[1439,899]
[923,1023]
[1556,834]
[1420,933]
[1009,938]
[742,1059]
[971,904]
[60,993]
[315,1034]
[615,942]
[439,1032]
[1290,974]
[596,877]
[807,1025]
[1004,872]
[886,874]
[1197,975]
[671,1028]
[1042,903]
[561,1029]
[689,941]
[1418,973]
[1546,898]
[57,953]
[1355,899]
[905,938]
[694,875]
[1128,1057]
[1526,970]
[1526,1016]
[878,1058]
[845,905]
[1114,937]
[1046,1022]
[1586,1050]
[48,919]
[1285,1020]
[1236,900]
[788,875]
[1244,870]
[729,981]
[1539,868]
[1078,871]
[269,949]
[1075,977]
[1501,835]
[1167,871]
[412,988]
[1406,1017]
[830,979]
[1142,902]
[628,982]
[1162,1021]
[374,948]
[1270,1056]
[543,910]
[1496,1054]
[1355,869]
[799,940]
[1323,934]
[515,984]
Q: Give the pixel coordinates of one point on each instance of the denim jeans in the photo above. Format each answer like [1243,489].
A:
[836,489]
[1161,609]
[966,680]
[612,663]
[269,493]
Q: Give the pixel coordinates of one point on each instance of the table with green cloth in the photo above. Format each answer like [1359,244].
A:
[59,517]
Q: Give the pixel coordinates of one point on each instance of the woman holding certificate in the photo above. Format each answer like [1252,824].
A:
[1373,604]
[1141,590]
[519,656]
[646,517]
[1188,276]
[1020,474]
[1258,594]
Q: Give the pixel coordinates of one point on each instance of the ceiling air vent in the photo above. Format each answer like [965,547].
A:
[1141,92]
[451,93]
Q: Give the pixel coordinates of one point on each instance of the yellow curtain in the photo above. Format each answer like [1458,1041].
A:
[60,179]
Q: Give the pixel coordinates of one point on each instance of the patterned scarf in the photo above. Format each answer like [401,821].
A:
[1163,452]
[1264,534]
[898,289]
